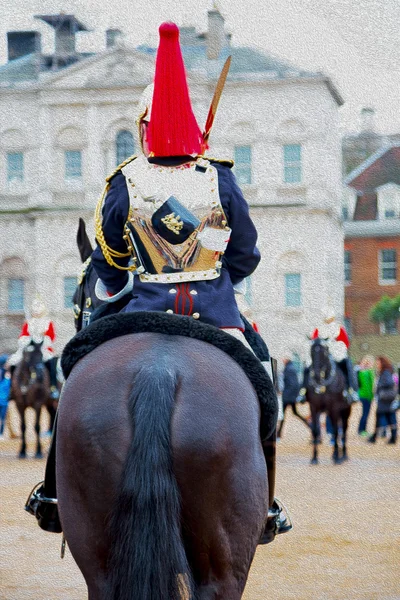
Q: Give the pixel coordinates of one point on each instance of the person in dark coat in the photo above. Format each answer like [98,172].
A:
[290,392]
[385,397]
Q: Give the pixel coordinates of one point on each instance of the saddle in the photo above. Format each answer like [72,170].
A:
[113,326]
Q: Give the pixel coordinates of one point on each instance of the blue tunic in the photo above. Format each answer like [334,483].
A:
[211,301]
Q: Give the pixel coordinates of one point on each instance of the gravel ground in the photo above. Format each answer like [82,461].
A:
[345,544]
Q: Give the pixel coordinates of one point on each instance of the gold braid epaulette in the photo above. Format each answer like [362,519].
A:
[107,251]
[227,162]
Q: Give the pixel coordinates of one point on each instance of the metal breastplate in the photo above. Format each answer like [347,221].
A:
[177,230]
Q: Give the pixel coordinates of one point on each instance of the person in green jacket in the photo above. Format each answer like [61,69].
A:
[366,377]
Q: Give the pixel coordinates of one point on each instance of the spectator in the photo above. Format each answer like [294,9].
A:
[291,388]
[385,396]
[5,385]
[366,379]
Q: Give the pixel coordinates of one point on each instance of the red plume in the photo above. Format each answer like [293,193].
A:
[173,129]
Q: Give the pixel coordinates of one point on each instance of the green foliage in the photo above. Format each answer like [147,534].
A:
[386,310]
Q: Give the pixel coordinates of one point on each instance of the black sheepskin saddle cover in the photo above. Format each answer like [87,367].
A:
[116,325]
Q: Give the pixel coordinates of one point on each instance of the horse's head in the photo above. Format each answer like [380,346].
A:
[32,360]
[84,298]
[320,359]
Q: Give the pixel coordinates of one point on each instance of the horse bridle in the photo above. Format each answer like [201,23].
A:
[320,388]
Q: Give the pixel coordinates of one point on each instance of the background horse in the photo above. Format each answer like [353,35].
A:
[31,388]
[325,389]
[161,477]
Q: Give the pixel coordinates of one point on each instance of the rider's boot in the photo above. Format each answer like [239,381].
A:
[42,501]
[277,521]
[301,398]
[351,382]
[52,368]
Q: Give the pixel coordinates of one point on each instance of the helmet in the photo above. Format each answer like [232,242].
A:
[166,122]
[328,314]
[38,308]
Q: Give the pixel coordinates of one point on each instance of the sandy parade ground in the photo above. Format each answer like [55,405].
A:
[345,544]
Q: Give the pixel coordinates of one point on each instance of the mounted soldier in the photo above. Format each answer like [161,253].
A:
[38,328]
[335,335]
[173,229]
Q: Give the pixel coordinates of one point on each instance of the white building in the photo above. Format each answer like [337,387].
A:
[66,120]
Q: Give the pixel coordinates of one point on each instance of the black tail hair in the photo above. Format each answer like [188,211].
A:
[148,559]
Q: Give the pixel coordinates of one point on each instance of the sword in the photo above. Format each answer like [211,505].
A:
[216,99]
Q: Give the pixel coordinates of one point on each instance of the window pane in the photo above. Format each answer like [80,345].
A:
[243,163]
[292,163]
[15,166]
[243,154]
[292,153]
[388,265]
[293,289]
[292,175]
[69,290]
[243,174]
[388,256]
[15,295]
[388,273]
[73,164]
[124,145]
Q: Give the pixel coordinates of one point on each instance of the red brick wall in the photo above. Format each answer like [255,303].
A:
[364,290]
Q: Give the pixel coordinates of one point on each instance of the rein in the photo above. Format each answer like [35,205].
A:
[320,388]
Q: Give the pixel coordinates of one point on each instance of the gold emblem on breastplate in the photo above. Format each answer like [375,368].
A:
[173,223]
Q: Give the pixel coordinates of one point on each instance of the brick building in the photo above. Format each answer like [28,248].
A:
[372,242]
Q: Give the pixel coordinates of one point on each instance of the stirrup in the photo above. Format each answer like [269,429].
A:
[276,522]
[44,509]
[301,398]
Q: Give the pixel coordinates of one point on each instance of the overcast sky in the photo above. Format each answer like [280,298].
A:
[356,42]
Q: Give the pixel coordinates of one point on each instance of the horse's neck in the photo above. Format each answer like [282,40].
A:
[22,372]
[324,370]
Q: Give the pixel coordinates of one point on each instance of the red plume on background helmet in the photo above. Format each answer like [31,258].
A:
[173,129]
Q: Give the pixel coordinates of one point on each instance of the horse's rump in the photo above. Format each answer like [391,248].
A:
[214,440]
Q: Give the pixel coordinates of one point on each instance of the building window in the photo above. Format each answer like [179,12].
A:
[69,291]
[293,289]
[124,146]
[292,163]
[15,166]
[16,292]
[347,266]
[389,201]
[243,164]
[73,164]
[387,266]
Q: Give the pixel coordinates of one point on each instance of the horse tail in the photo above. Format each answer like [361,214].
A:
[148,559]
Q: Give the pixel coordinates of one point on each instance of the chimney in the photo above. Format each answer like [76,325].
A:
[216,38]
[21,43]
[65,29]
[367,119]
[113,37]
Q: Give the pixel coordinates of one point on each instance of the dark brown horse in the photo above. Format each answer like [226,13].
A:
[31,388]
[326,384]
[161,477]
